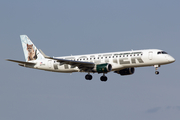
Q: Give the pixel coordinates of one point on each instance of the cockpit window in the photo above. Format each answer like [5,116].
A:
[159,53]
[162,52]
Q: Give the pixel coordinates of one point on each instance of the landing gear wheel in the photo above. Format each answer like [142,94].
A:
[88,77]
[156,67]
[157,72]
[103,78]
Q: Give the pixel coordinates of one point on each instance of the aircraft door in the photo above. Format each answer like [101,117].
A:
[150,55]
[49,63]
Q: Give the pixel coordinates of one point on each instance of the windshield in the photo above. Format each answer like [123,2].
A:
[162,52]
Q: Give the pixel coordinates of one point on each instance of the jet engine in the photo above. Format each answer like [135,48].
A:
[103,68]
[126,71]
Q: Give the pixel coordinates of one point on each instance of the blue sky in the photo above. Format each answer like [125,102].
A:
[61,27]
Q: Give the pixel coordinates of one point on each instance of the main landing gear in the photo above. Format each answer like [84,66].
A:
[103,78]
[88,77]
[156,67]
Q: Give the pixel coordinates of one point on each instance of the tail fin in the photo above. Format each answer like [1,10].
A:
[30,50]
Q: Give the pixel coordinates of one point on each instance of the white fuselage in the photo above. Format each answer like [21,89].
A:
[122,63]
[118,60]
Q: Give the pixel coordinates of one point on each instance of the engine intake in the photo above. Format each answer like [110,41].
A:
[103,68]
[126,71]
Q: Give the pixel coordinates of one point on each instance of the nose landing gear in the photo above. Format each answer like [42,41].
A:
[157,72]
[156,67]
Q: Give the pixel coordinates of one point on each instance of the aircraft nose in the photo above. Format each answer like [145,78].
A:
[171,59]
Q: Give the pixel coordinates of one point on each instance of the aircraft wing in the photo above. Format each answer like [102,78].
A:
[80,64]
[21,62]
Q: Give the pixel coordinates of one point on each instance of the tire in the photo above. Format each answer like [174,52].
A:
[103,78]
[157,72]
[88,77]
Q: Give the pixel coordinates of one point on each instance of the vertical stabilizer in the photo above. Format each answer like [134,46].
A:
[30,50]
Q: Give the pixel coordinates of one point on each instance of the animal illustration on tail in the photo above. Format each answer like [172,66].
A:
[32,54]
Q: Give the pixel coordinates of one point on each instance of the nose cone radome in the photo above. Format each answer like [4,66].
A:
[171,59]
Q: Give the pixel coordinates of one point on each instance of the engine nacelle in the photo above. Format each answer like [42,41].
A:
[103,68]
[126,71]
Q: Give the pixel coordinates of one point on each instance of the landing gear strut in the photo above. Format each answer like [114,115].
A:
[103,78]
[88,77]
[156,67]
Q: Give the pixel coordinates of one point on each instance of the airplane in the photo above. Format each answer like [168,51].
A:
[123,63]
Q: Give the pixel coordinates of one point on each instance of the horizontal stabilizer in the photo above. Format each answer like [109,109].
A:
[21,62]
